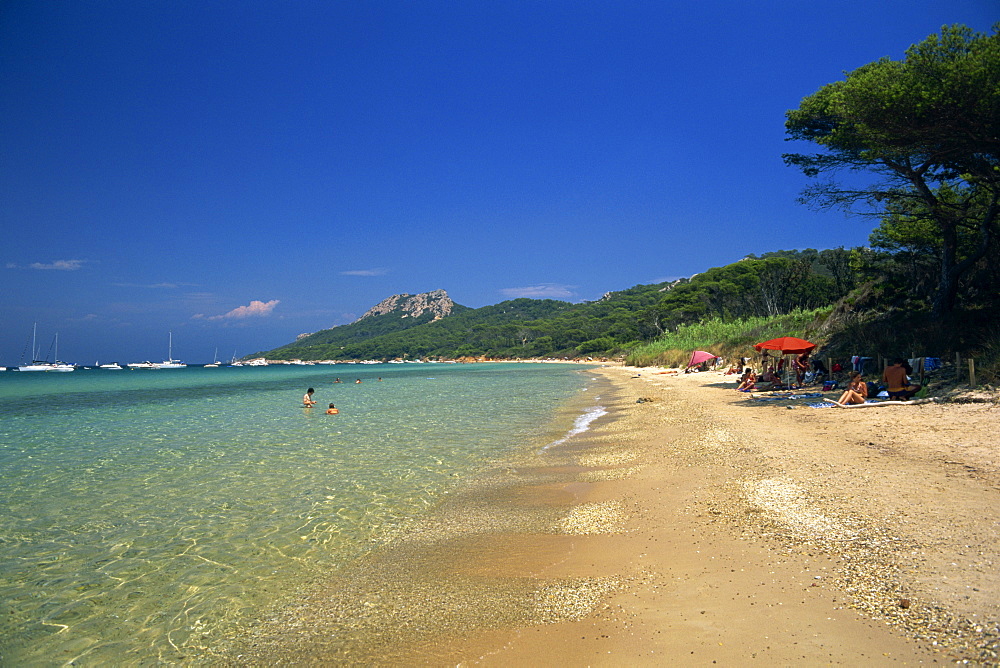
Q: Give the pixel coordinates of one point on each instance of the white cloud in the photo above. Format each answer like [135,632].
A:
[541,291]
[254,309]
[155,286]
[364,272]
[61,265]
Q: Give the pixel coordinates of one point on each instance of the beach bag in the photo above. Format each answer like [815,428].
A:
[829,385]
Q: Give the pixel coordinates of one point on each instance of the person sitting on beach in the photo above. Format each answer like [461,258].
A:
[307,398]
[856,392]
[332,410]
[748,382]
[897,383]
[771,376]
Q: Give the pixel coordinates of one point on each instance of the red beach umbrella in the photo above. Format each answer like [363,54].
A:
[788,345]
[699,356]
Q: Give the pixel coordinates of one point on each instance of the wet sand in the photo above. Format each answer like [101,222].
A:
[690,524]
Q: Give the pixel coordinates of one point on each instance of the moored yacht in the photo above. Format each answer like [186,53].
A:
[39,365]
[170,362]
[46,366]
[215,361]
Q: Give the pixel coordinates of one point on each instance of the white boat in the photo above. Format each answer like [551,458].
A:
[215,361]
[114,366]
[39,365]
[142,365]
[46,366]
[170,362]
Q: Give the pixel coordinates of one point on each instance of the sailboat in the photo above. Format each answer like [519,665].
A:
[215,363]
[170,362]
[39,365]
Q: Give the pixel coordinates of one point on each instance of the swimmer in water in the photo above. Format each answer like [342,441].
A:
[307,398]
[332,410]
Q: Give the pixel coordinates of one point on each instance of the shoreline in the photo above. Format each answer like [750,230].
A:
[696,526]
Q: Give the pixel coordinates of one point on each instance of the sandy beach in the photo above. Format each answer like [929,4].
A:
[690,524]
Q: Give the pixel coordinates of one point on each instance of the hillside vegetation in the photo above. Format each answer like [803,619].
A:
[810,294]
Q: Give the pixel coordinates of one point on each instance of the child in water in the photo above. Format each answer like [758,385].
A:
[332,410]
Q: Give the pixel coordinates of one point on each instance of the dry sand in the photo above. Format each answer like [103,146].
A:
[693,525]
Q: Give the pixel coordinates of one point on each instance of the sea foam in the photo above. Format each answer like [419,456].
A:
[580,425]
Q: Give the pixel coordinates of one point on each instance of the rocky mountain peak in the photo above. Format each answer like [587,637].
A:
[437,302]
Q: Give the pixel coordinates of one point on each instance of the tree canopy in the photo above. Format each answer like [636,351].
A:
[928,127]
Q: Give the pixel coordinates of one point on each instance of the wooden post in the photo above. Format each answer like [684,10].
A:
[923,365]
[958,366]
[972,372]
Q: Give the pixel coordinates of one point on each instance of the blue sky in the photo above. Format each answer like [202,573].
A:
[238,173]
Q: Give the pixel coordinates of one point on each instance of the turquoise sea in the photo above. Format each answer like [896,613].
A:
[146,514]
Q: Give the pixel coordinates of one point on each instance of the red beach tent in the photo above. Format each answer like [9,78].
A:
[699,356]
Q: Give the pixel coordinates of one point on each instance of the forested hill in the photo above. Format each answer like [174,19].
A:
[515,328]
[522,328]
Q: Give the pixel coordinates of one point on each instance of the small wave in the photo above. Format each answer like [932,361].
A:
[580,425]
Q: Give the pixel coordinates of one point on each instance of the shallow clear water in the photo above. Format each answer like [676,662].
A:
[147,513]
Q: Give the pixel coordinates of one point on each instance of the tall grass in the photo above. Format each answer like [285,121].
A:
[730,338]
